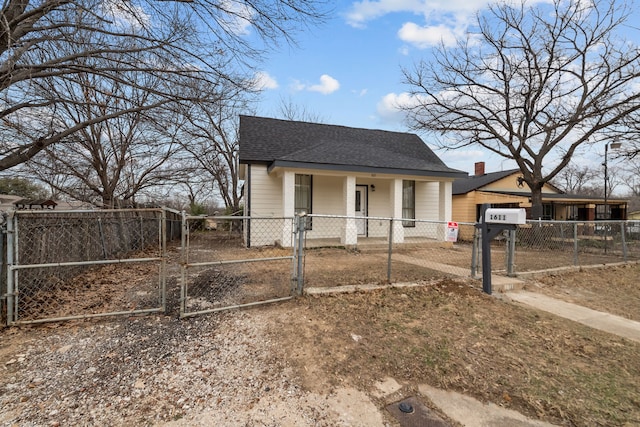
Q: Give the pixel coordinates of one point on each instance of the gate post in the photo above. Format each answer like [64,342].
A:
[475,250]
[511,252]
[163,254]
[184,259]
[10,274]
[390,250]
[575,243]
[624,240]
[300,228]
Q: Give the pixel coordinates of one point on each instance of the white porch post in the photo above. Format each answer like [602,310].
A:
[395,195]
[350,231]
[444,207]
[444,201]
[288,207]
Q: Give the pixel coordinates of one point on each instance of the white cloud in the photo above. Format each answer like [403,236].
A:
[263,80]
[297,86]
[391,105]
[367,10]
[389,108]
[327,85]
[424,37]
[127,16]
[443,20]
[238,17]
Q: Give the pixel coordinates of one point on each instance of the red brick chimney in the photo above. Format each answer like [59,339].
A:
[479,168]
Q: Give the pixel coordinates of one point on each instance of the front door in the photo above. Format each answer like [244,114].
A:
[361,209]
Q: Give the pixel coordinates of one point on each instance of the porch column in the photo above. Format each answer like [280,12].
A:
[349,235]
[395,194]
[444,207]
[288,207]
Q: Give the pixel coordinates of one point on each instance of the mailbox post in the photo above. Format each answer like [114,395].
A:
[492,222]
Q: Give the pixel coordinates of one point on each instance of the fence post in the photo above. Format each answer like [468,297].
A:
[624,240]
[575,243]
[3,232]
[163,255]
[474,252]
[142,233]
[390,250]
[183,268]
[10,274]
[300,273]
[101,231]
[511,250]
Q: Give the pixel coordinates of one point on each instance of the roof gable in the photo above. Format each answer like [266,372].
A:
[266,140]
[485,182]
[472,183]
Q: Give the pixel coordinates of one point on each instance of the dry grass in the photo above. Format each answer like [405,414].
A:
[613,289]
[452,336]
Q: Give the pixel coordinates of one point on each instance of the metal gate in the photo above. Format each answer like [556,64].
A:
[231,262]
[66,265]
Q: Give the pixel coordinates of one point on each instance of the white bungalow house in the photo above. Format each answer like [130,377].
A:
[290,167]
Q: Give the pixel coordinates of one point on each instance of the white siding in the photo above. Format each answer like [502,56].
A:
[326,199]
[266,201]
[266,193]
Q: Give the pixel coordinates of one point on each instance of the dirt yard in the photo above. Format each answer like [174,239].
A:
[283,364]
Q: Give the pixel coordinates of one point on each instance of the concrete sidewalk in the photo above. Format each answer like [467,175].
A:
[607,322]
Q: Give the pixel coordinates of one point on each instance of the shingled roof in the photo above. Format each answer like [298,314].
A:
[287,143]
[465,185]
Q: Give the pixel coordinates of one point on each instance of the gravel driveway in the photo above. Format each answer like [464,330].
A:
[154,370]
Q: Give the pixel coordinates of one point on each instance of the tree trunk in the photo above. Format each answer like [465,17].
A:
[536,203]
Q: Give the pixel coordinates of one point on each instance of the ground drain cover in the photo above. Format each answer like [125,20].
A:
[412,413]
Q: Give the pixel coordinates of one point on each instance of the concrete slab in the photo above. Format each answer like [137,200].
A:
[607,322]
[411,412]
[355,409]
[386,387]
[472,413]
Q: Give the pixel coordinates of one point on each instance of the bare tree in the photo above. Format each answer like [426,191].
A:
[575,179]
[535,84]
[212,140]
[291,111]
[182,40]
[112,160]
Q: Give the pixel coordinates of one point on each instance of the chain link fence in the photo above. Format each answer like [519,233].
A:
[230,262]
[352,251]
[76,264]
[63,265]
[541,245]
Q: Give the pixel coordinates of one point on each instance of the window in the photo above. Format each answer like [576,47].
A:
[303,196]
[408,203]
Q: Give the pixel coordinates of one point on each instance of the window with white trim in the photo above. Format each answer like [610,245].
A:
[303,190]
[408,203]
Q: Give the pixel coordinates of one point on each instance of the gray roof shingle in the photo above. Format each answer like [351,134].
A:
[465,185]
[273,141]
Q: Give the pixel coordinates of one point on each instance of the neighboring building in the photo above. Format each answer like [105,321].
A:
[507,190]
[35,204]
[290,167]
[635,215]
[7,202]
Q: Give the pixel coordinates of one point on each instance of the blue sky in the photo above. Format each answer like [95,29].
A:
[348,71]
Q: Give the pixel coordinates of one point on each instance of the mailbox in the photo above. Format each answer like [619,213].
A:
[505,216]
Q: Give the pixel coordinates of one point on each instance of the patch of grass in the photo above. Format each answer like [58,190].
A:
[452,336]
